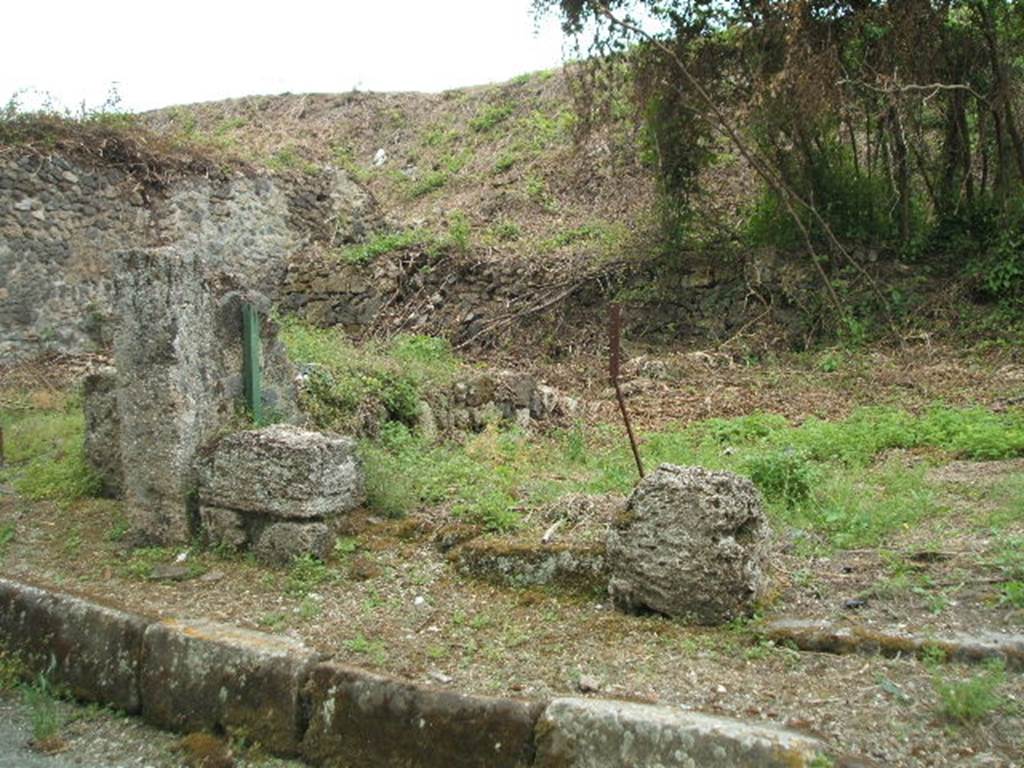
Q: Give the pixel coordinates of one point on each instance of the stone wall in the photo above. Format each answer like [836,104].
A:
[62,220]
[702,296]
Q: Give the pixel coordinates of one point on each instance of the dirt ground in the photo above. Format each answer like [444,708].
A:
[389,599]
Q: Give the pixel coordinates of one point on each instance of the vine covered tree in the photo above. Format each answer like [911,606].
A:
[894,125]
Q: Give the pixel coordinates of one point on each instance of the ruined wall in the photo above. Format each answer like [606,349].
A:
[62,220]
[702,296]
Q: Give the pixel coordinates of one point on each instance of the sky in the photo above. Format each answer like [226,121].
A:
[161,53]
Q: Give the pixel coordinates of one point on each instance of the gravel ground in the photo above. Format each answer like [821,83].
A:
[93,737]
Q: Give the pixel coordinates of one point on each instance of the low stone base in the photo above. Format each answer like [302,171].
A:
[573,567]
[273,541]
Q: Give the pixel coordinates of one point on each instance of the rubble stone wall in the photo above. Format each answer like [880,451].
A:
[63,220]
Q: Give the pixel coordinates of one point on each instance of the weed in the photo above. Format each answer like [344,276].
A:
[273,620]
[306,574]
[345,545]
[505,231]
[118,529]
[538,193]
[142,561]
[383,244]
[72,542]
[782,475]
[505,162]
[310,608]
[6,537]
[966,702]
[490,117]
[343,379]
[290,158]
[1012,594]
[45,452]
[458,233]
[429,182]
[375,649]
[44,713]
[12,670]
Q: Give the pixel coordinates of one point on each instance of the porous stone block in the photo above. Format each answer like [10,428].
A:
[280,542]
[179,363]
[578,567]
[224,527]
[282,471]
[200,675]
[91,651]
[692,543]
[362,720]
[103,429]
[595,733]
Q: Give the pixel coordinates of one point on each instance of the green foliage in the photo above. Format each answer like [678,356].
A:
[490,117]
[142,561]
[857,207]
[12,670]
[45,453]
[481,482]
[967,702]
[342,378]
[994,242]
[1012,594]
[459,231]
[290,159]
[44,714]
[385,243]
[6,537]
[783,475]
[505,231]
[505,162]
[305,575]
[429,182]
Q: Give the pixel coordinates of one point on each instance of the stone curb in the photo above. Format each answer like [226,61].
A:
[189,675]
[829,637]
[91,651]
[619,734]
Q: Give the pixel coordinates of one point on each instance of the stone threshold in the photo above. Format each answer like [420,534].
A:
[190,675]
[841,638]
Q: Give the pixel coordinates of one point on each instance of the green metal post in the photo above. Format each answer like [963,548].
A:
[251,373]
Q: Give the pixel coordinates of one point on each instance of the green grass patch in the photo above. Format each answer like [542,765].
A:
[344,380]
[306,574]
[968,702]
[45,453]
[383,244]
[490,117]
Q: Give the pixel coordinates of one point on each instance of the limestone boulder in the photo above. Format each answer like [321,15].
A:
[692,543]
[282,471]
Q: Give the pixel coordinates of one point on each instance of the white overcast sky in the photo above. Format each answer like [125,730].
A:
[183,51]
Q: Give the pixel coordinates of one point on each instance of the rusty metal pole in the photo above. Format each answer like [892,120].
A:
[615,354]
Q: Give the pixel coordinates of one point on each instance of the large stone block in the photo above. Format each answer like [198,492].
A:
[692,543]
[179,364]
[362,720]
[103,429]
[200,675]
[281,541]
[282,471]
[594,733]
[91,651]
